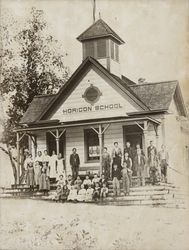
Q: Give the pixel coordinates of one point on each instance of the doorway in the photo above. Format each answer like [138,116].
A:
[51,144]
[133,134]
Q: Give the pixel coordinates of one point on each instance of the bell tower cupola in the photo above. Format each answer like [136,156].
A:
[102,43]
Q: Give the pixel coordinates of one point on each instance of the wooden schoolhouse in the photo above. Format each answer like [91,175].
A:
[98,106]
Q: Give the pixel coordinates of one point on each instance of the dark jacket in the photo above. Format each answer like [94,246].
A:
[130,152]
[116,173]
[74,160]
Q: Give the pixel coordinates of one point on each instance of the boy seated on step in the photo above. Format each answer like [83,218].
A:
[81,194]
[69,182]
[87,182]
[103,191]
[96,193]
[56,197]
[125,178]
[78,183]
[95,180]
[73,193]
[89,194]
[116,176]
[102,181]
[61,181]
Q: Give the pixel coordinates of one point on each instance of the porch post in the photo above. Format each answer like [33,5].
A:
[57,142]
[18,157]
[145,134]
[157,138]
[100,144]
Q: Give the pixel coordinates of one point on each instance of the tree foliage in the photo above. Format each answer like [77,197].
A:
[32,64]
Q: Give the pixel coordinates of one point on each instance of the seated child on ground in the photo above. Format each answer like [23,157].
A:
[89,193]
[78,183]
[65,193]
[87,182]
[81,194]
[103,191]
[96,193]
[95,180]
[57,196]
[73,193]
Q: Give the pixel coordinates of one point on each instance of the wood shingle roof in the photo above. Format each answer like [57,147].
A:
[98,30]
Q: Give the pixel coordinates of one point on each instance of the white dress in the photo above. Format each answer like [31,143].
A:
[72,195]
[60,167]
[52,164]
[89,194]
[81,195]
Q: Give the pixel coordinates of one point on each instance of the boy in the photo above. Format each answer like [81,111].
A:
[96,194]
[69,181]
[125,179]
[95,180]
[106,161]
[78,183]
[87,182]
[102,180]
[61,181]
[116,176]
[104,191]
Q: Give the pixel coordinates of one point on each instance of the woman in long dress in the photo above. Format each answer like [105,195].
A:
[60,170]
[52,163]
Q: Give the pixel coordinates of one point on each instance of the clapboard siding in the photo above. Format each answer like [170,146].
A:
[110,95]
[41,141]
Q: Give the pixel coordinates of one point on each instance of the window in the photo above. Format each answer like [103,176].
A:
[89,47]
[92,149]
[114,51]
[101,48]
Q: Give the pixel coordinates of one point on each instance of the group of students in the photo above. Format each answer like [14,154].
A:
[76,190]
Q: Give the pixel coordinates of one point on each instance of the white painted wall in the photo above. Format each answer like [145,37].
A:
[109,96]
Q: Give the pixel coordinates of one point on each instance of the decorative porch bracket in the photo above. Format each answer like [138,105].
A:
[57,137]
[100,132]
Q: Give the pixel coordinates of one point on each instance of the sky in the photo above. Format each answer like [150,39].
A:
[156,33]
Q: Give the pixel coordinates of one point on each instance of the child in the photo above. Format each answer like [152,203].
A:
[78,183]
[104,191]
[37,173]
[87,182]
[102,180]
[58,194]
[69,181]
[95,180]
[116,175]
[129,163]
[89,194]
[125,178]
[96,193]
[61,181]
[44,183]
[81,194]
[73,193]
[30,176]
[65,193]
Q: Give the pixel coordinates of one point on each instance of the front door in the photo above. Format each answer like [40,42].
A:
[133,134]
[51,143]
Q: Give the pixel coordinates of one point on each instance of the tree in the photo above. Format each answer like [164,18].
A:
[32,64]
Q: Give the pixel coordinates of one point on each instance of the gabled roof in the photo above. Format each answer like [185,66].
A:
[97,30]
[156,95]
[36,107]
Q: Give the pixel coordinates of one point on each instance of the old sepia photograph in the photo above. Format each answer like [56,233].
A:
[94,124]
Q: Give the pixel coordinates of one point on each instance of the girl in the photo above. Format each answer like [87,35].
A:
[78,183]
[60,165]
[81,194]
[96,193]
[44,183]
[87,182]
[52,163]
[103,191]
[30,176]
[73,194]
[37,172]
[89,194]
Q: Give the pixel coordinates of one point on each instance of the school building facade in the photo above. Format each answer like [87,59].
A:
[98,106]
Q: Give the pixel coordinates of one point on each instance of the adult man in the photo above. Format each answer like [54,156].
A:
[128,149]
[151,153]
[74,162]
[116,155]
[151,148]
[139,166]
[106,160]
[163,157]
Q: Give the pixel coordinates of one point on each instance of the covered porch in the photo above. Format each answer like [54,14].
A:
[89,137]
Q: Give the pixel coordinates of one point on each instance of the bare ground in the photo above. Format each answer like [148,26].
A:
[32,224]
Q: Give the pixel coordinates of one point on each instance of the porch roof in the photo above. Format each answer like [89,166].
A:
[58,125]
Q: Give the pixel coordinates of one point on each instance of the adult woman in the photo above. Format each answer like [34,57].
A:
[52,163]
[44,183]
[30,176]
[60,170]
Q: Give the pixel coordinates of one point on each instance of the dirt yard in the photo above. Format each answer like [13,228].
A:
[31,224]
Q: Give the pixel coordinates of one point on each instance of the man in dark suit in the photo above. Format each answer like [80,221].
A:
[74,162]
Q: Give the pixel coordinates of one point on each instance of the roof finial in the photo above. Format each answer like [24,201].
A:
[99,15]
[94,10]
